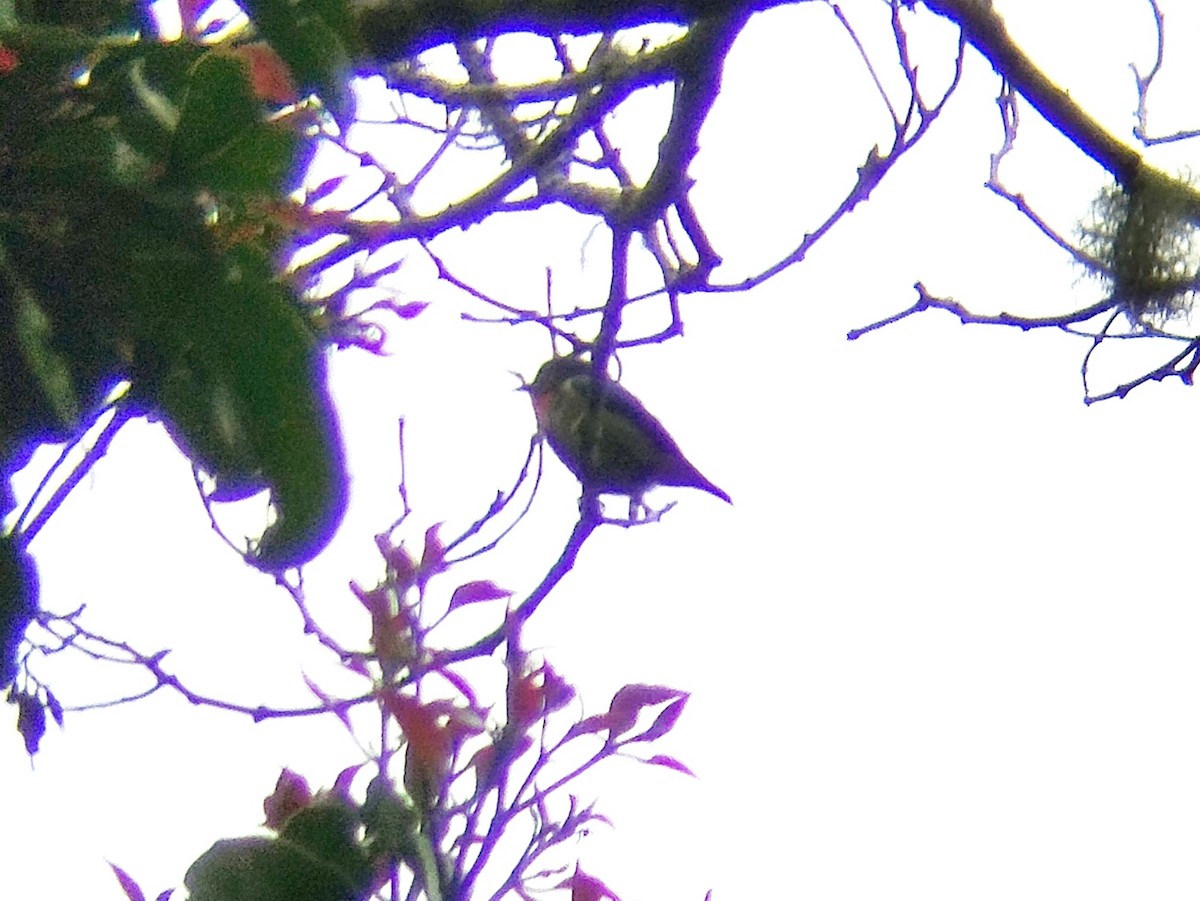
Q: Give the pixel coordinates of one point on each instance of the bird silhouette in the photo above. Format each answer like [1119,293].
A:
[605,436]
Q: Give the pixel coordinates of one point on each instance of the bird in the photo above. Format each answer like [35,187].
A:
[605,436]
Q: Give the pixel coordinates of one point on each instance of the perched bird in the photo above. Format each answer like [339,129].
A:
[604,435]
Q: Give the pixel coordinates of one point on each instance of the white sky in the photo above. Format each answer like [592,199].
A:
[942,645]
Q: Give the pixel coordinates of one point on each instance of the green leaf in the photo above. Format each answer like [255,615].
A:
[37,393]
[243,388]
[256,162]
[218,106]
[18,602]
[140,88]
[392,822]
[317,858]
[223,142]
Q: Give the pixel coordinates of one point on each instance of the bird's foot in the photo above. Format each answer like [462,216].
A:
[640,514]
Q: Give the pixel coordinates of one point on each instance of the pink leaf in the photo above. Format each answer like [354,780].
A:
[400,563]
[670,763]
[628,702]
[597,723]
[525,699]
[341,785]
[132,890]
[290,796]
[324,189]
[376,600]
[433,558]
[558,692]
[474,592]
[588,888]
[409,310]
[664,722]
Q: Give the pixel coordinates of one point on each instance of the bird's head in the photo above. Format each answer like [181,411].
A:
[554,372]
[549,381]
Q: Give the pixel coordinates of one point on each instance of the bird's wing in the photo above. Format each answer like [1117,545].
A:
[623,413]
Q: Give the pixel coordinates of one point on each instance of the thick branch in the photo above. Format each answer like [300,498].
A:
[392,29]
[984,29]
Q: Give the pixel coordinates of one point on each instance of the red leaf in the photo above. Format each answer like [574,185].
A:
[588,888]
[628,702]
[428,741]
[481,761]
[433,558]
[670,763]
[664,722]
[9,60]
[402,568]
[132,890]
[291,795]
[474,592]
[525,699]
[557,691]
[270,77]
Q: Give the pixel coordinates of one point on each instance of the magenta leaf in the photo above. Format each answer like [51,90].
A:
[628,702]
[398,560]
[664,722]
[409,310]
[474,592]
[324,189]
[597,723]
[585,887]
[54,707]
[132,890]
[290,796]
[557,691]
[341,785]
[670,763]
[433,558]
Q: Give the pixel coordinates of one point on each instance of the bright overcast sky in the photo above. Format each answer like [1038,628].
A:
[942,645]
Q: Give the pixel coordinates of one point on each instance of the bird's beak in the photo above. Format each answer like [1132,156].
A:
[524,386]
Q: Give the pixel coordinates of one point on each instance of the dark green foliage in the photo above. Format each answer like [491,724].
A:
[97,16]
[317,857]
[18,603]
[391,822]
[136,244]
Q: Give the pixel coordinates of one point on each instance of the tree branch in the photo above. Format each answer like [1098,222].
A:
[392,29]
